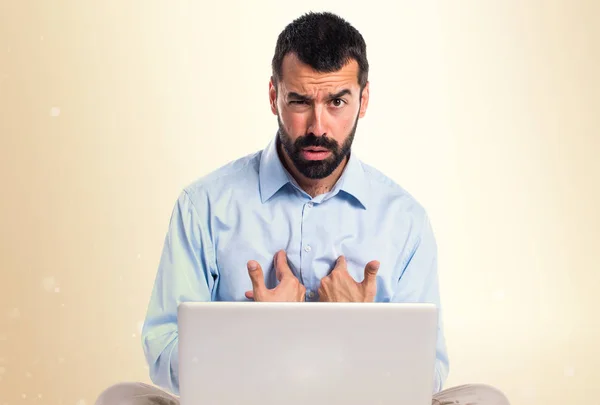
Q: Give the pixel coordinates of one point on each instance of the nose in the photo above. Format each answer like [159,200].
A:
[317,121]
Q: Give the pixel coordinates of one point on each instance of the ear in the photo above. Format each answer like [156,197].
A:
[364,101]
[273,96]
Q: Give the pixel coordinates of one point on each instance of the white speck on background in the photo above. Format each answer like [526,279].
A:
[41,37]
[50,284]
[62,305]
[139,256]
[57,289]
[569,371]
[40,396]
[14,313]
[54,112]
[24,396]
[133,335]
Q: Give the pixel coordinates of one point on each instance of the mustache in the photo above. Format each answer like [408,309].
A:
[316,141]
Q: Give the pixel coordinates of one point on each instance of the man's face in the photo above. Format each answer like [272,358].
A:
[317,115]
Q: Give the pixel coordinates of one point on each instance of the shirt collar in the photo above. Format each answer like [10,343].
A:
[273,176]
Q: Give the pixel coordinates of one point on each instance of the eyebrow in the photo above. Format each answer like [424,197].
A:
[304,97]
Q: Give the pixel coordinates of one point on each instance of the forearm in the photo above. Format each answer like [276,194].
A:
[163,362]
[440,375]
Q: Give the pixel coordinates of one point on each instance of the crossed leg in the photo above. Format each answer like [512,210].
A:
[137,393]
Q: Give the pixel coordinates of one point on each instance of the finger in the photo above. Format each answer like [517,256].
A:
[371,272]
[282,269]
[250,295]
[256,276]
[341,264]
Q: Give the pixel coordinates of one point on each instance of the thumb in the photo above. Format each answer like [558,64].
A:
[282,268]
[256,276]
[340,263]
[371,272]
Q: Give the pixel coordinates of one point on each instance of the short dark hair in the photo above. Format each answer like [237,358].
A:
[324,41]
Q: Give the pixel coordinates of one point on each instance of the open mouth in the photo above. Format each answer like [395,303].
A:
[315,153]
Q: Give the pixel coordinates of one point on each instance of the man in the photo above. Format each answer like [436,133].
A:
[302,220]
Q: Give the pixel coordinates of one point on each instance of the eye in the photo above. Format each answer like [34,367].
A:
[338,102]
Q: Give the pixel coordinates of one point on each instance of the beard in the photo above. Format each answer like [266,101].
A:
[315,169]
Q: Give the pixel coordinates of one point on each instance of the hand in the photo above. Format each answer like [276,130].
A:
[339,286]
[289,288]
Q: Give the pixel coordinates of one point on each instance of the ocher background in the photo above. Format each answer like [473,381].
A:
[487,111]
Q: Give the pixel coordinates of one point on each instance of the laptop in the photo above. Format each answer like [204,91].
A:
[258,353]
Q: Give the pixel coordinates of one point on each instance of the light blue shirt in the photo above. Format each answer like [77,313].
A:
[251,208]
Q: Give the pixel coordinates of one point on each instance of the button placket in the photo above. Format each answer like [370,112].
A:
[306,256]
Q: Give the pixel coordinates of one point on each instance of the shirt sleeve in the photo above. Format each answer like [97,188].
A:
[185,273]
[419,282]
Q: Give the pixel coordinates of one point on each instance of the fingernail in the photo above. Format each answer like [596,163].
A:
[252,266]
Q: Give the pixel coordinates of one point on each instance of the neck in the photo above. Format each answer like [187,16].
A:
[312,187]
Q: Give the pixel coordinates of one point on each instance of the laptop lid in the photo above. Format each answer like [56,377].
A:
[260,353]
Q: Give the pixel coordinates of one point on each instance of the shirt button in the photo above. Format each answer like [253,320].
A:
[310,204]
[307,248]
[311,294]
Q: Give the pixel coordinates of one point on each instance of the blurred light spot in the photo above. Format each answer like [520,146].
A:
[54,112]
[569,371]
[49,283]
[14,313]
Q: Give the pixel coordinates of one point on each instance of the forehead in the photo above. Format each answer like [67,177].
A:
[300,77]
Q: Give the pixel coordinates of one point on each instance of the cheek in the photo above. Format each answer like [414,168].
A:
[294,123]
[345,121]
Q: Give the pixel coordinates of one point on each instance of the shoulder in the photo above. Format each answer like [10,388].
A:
[397,210]
[235,175]
[387,191]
